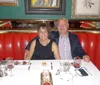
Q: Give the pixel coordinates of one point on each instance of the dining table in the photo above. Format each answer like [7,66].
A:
[28,72]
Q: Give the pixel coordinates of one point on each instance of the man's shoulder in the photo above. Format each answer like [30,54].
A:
[72,34]
[54,32]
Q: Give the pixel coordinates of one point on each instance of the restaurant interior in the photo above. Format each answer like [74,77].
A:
[19,20]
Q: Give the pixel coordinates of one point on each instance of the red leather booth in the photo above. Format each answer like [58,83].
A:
[12,44]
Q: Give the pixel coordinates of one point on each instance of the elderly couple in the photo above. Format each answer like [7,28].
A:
[60,44]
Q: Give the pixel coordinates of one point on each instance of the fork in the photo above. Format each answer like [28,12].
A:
[58,72]
[29,66]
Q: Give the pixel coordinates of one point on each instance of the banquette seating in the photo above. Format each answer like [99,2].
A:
[13,43]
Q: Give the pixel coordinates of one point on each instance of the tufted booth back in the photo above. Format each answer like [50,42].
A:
[12,44]
[91,44]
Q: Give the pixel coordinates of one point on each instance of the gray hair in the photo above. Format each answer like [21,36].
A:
[64,19]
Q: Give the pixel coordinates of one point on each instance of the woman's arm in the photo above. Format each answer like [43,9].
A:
[31,51]
[55,51]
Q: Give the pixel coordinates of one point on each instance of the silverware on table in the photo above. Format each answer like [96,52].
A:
[58,72]
[29,66]
[51,66]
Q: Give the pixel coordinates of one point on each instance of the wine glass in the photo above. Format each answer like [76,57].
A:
[65,73]
[77,62]
[10,66]
[3,68]
[66,66]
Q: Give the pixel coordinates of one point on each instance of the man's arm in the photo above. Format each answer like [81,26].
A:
[28,47]
[31,51]
[29,44]
[78,48]
[80,51]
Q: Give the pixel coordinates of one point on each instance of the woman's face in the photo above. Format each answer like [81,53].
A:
[43,34]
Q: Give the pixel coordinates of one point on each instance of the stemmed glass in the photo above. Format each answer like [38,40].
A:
[10,66]
[77,65]
[77,62]
[64,67]
[65,71]
[3,69]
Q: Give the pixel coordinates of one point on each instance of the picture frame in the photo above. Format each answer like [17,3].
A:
[85,9]
[8,2]
[55,7]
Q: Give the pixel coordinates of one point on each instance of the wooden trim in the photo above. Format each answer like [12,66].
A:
[35,31]
[8,3]
[17,24]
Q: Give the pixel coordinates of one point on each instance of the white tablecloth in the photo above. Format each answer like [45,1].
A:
[22,76]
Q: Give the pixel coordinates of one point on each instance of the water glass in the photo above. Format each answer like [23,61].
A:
[3,69]
[64,67]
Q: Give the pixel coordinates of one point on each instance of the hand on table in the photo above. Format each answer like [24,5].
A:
[86,58]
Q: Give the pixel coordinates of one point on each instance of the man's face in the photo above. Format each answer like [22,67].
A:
[63,27]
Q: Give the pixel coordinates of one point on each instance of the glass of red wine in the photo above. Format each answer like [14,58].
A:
[10,66]
[77,62]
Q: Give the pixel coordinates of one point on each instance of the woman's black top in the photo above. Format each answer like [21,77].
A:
[42,52]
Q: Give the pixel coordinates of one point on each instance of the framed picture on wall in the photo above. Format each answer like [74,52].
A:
[85,8]
[8,2]
[56,7]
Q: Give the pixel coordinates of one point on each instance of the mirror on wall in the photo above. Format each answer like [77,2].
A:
[32,24]
[84,24]
[24,24]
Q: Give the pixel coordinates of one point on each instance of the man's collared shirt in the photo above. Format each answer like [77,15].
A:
[64,47]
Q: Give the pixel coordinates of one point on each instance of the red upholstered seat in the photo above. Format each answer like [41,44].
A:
[91,44]
[12,44]
[2,46]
